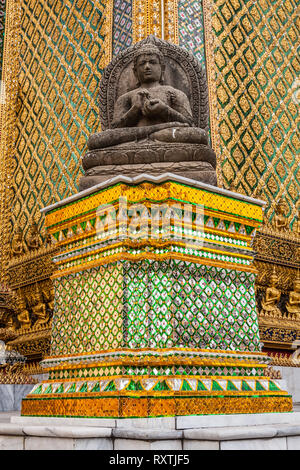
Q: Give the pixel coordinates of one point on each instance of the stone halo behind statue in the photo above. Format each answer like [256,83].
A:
[154,117]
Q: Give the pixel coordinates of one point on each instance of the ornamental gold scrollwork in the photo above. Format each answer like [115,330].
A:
[32,301]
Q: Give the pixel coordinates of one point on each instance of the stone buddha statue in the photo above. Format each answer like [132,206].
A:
[271,299]
[293,305]
[152,102]
[154,114]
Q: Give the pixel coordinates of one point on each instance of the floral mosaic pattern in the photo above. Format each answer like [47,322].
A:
[156,304]
[122,26]
[88,313]
[191,29]
[177,303]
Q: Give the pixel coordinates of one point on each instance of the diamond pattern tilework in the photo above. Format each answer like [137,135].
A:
[148,304]
[158,384]
[190,28]
[61,65]
[177,303]
[122,25]
[88,311]
[255,55]
[156,304]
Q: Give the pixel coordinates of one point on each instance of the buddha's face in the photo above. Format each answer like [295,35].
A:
[148,68]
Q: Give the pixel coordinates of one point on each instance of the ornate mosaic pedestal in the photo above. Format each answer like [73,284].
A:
[155,304]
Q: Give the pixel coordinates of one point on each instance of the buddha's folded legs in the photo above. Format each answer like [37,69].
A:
[113,137]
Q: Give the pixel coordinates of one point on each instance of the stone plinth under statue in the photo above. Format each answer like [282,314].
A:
[154,117]
[153,323]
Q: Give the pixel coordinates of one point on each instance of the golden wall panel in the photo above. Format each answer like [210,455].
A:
[252,66]
[8,115]
[64,48]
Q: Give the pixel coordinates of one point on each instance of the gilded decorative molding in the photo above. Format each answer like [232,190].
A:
[211,82]
[62,58]
[8,114]
[146,19]
[15,374]
[157,18]
[34,343]
[282,359]
[107,33]
[170,32]
[31,267]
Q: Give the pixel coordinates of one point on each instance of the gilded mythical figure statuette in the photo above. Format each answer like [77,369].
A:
[271,299]
[39,309]
[49,296]
[281,222]
[17,244]
[33,241]
[293,305]
[23,316]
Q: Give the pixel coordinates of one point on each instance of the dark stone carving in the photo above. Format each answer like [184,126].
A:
[154,116]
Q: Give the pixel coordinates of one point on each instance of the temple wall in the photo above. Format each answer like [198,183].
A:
[247,49]
[249,52]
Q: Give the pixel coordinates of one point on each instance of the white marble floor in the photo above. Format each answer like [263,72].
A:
[270,431]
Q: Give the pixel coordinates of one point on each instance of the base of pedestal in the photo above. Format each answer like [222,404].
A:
[156,382]
[154,406]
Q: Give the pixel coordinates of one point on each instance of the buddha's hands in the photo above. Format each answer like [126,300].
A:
[153,107]
[138,100]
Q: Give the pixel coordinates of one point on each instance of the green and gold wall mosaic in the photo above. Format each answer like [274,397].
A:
[250,47]
[88,309]
[156,304]
[256,68]
[61,59]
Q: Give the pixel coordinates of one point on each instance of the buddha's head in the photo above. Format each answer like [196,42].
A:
[149,64]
